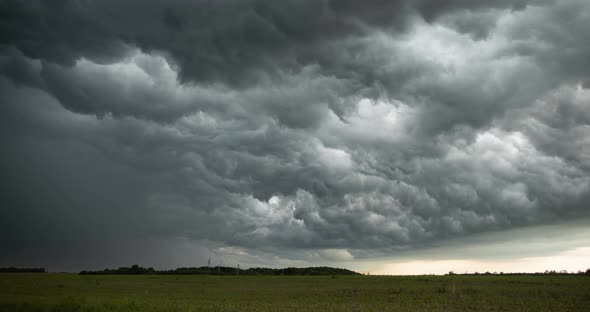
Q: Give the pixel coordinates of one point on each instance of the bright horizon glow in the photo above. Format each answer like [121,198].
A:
[572,261]
[530,250]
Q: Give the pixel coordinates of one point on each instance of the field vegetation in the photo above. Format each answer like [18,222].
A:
[150,292]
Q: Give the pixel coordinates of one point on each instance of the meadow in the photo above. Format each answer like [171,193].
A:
[72,292]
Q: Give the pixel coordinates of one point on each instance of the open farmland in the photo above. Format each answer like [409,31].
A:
[71,292]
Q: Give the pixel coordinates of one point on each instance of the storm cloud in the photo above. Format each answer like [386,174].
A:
[336,129]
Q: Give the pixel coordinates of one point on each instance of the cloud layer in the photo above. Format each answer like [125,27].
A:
[343,129]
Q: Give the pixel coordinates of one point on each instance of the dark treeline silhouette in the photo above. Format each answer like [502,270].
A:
[22,270]
[547,272]
[221,270]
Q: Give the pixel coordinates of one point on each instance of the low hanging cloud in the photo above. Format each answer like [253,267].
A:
[330,127]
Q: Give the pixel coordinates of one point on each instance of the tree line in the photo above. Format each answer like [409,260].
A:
[546,272]
[22,270]
[223,270]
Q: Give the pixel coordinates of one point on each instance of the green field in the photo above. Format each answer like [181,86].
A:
[71,292]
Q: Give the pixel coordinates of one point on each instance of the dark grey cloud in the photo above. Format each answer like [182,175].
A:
[340,129]
[221,40]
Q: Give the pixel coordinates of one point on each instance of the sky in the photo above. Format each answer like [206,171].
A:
[387,137]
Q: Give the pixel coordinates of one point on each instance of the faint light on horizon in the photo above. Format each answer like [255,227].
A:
[574,260]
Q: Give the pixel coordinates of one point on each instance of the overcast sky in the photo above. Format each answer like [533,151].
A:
[398,137]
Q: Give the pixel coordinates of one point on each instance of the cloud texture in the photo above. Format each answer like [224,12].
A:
[332,126]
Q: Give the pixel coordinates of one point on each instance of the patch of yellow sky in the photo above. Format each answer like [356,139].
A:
[535,249]
[571,260]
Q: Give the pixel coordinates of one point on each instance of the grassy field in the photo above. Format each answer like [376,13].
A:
[70,292]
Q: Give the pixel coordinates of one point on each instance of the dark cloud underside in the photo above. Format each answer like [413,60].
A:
[317,125]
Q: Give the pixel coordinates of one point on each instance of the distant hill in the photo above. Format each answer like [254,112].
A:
[221,270]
